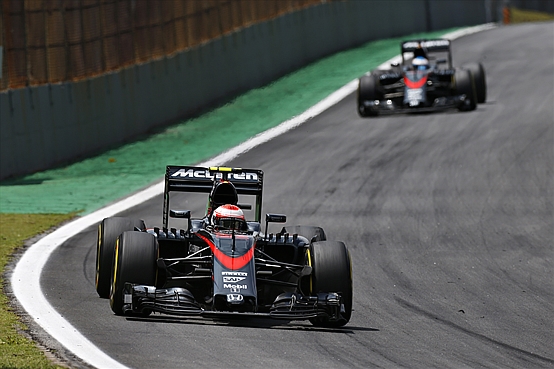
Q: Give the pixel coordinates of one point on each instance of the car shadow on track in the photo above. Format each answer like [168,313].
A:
[258,323]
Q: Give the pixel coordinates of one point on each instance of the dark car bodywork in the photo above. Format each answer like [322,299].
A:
[201,270]
[403,88]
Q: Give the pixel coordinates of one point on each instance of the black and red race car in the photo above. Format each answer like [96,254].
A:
[221,264]
[425,80]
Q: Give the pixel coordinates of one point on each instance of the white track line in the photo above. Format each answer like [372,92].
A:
[25,279]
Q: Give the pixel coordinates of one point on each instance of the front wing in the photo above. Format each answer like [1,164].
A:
[141,299]
[389,107]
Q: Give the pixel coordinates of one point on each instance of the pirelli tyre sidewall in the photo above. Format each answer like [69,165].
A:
[479,78]
[108,231]
[465,84]
[367,91]
[331,272]
[135,259]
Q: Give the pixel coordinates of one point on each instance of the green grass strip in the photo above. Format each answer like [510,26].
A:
[522,15]
[16,350]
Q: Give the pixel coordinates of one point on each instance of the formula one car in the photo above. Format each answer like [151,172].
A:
[220,264]
[424,81]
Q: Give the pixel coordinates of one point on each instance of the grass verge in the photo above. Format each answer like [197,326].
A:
[522,15]
[17,351]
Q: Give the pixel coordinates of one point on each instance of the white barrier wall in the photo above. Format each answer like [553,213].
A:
[46,126]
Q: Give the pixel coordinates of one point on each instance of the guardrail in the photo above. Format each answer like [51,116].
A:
[55,41]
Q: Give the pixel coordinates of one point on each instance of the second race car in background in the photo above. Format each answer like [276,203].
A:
[424,81]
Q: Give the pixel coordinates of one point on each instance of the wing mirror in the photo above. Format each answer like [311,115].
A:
[183,214]
[179,214]
[273,218]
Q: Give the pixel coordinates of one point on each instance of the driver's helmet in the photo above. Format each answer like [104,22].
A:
[229,217]
[420,63]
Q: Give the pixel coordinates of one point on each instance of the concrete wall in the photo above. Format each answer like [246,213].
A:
[42,127]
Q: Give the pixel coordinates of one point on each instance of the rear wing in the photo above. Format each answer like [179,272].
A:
[429,46]
[201,180]
[439,44]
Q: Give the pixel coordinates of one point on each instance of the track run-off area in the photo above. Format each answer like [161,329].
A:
[448,218]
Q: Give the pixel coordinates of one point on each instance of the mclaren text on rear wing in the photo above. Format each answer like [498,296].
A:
[200,179]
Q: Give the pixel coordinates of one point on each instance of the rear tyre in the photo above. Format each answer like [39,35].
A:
[367,91]
[309,232]
[480,80]
[466,85]
[135,262]
[332,272]
[108,231]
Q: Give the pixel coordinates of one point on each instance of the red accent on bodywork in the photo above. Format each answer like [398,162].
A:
[415,84]
[229,262]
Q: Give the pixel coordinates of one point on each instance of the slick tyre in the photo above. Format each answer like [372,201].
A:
[332,272]
[480,80]
[367,91]
[309,232]
[465,84]
[108,231]
[135,259]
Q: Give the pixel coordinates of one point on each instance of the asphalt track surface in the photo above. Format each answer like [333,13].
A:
[448,218]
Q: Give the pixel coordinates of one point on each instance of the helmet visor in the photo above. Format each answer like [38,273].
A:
[230,223]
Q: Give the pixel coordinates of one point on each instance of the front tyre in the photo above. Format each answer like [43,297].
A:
[332,272]
[480,80]
[367,91]
[108,231]
[134,262]
[465,85]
